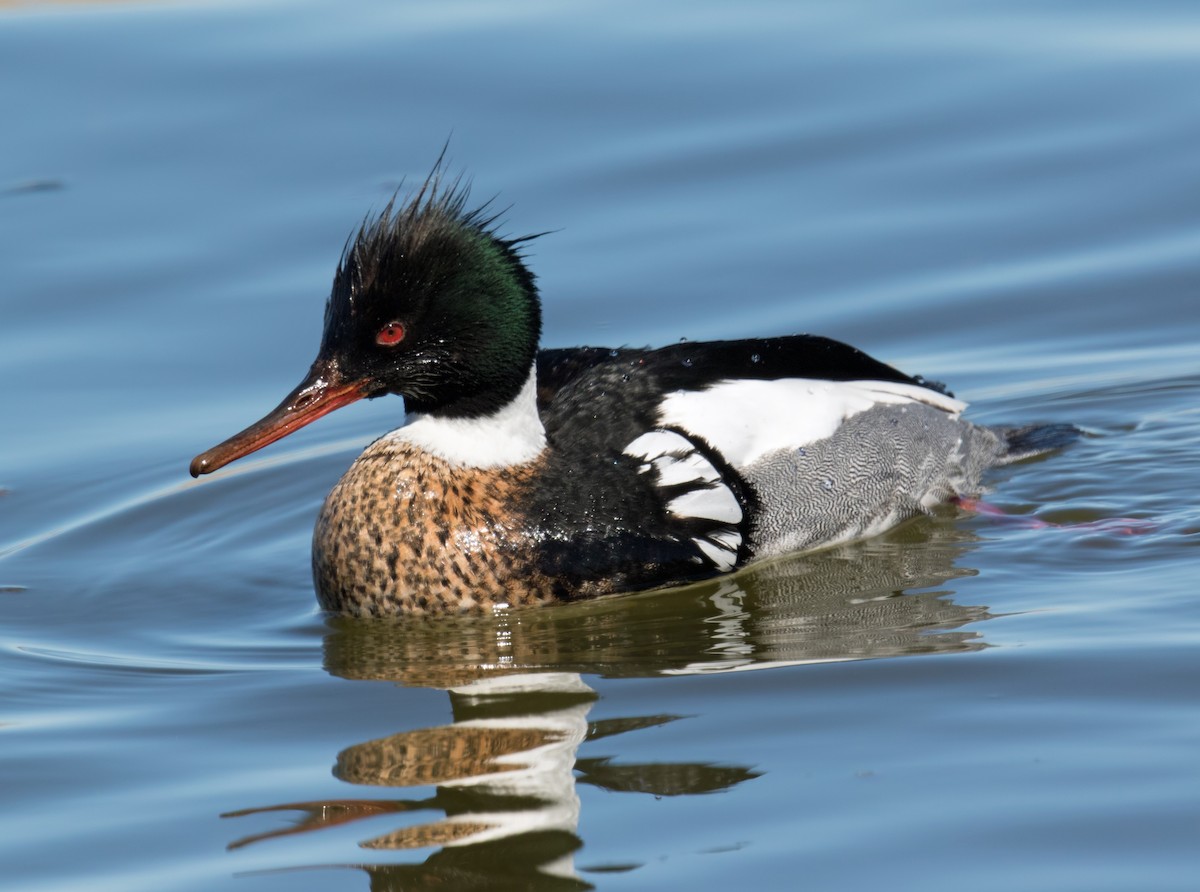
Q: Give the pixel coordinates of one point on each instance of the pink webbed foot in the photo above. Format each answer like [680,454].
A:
[1121,526]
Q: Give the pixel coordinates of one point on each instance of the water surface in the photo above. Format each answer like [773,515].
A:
[1001,196]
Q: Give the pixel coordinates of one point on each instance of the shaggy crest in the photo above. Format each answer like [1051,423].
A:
[431,224]
[440,270]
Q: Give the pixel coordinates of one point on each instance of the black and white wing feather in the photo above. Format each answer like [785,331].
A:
[705,499]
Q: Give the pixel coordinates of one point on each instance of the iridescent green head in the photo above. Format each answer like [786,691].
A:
[430,302]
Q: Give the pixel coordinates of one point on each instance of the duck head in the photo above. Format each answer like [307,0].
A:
[428,302]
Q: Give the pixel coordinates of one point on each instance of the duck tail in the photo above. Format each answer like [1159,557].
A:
[1035,439]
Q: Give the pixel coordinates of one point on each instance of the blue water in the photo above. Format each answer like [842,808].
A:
[1003,196]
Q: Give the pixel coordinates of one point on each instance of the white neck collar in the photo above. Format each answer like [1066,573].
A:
[512,435]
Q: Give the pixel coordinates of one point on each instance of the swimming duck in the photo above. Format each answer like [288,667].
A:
[525,477]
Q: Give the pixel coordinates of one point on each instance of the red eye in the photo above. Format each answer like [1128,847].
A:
[390,335]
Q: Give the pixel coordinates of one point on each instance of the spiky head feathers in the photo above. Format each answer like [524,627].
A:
[463,308]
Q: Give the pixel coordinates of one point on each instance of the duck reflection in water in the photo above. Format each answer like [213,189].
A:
[505,774]
[504,777]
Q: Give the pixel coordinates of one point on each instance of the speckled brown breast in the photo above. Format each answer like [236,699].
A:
[406,532]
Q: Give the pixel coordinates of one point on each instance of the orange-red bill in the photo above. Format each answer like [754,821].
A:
[319,394]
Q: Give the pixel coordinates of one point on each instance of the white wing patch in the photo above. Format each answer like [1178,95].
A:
[747,419]
[676,462]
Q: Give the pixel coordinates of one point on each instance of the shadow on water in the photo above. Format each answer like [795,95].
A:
[504,806]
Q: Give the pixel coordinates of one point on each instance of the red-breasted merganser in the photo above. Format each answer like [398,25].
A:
[524,477]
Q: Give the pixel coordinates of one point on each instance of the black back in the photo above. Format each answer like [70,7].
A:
[597,397]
